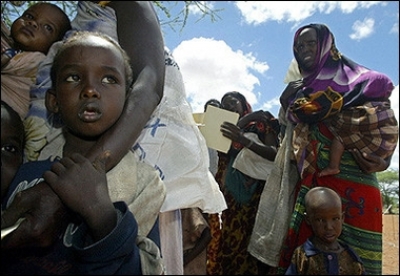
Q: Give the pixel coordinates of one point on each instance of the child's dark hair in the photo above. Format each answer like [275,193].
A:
[213,102]
[75,40]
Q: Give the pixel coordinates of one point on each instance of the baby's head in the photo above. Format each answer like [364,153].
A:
[39,27]
[324,213]
[12,145]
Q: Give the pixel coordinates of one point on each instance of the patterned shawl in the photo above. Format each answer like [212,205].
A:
[334,82]
[334,87]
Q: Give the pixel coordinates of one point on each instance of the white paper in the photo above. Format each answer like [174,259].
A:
[210,127]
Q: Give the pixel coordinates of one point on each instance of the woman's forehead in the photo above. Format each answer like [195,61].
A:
[307,32]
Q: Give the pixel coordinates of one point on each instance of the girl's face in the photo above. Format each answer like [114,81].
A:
[90,88]
[306,48]
[232,104]
[39,27]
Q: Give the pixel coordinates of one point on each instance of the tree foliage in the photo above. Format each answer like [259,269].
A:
[389,186]
[183,9]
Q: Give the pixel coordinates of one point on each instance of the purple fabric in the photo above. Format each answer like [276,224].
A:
[356,83]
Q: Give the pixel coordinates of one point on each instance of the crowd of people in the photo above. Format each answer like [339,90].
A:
[104,170]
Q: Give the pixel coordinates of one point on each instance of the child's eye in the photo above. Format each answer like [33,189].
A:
[9,148]
[321,221]
[72,78]
[108,80]
[48,28]
[28,15]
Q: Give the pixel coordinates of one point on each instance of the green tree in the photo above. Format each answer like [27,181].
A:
[389,186]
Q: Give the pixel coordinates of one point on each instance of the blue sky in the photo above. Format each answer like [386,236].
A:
[248,49]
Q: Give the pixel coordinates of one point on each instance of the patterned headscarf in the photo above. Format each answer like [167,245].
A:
[334,82]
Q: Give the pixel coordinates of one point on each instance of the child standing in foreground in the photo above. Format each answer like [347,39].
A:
[113,223]
[323,254]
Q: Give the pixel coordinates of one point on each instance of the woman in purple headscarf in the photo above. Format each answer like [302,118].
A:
[342,101]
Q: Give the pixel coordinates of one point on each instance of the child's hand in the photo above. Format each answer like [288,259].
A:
[82,186]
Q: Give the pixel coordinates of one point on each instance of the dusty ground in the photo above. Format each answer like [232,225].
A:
[390,245]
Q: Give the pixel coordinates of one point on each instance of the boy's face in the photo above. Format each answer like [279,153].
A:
[38,28]
[90,89]
[12,142]
[326,221]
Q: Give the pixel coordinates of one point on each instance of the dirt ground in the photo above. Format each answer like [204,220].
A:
[390,234]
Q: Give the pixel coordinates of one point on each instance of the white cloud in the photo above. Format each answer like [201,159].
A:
[216,69]
[362,29]
[395,27]
[347,6]
[257,12]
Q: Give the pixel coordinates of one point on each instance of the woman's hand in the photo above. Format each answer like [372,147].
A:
[232,132]
[370,163]
[290,90]
[45,218]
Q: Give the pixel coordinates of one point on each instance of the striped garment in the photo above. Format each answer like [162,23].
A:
[361,199]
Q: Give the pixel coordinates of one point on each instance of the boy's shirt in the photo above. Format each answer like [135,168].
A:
[133,247]
[28,175]
[309,260]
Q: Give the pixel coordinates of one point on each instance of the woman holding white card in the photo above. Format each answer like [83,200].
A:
[255,132]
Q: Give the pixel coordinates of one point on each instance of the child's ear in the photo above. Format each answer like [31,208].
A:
[51,101]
